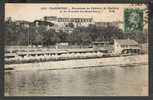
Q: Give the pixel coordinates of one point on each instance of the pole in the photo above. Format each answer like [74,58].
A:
[28,43]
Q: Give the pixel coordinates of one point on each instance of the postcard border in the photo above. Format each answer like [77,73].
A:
[150,37]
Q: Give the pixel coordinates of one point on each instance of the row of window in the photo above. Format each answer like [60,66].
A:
[74,20]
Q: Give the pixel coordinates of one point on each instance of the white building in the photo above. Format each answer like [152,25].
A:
[113,23]
[63,21]
[126,46]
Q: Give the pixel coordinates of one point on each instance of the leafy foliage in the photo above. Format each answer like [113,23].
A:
[17,35]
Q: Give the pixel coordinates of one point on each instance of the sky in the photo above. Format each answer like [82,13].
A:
[31,12]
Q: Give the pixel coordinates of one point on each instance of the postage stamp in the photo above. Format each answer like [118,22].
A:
[133,20]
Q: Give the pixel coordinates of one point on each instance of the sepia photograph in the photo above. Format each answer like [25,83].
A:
[73,49]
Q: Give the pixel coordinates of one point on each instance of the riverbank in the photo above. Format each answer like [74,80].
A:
[124,61]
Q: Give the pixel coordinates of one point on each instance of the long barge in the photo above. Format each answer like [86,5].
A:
[57,55]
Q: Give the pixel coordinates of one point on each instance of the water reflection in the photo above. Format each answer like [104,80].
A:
[96,81]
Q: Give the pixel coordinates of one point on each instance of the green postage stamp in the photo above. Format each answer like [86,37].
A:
[133,20]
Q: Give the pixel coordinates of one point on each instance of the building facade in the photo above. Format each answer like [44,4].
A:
[21,23]
[107,24]
[126,46]
[63,21]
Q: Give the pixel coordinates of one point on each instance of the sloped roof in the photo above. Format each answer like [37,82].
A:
[43,22]
[22,21]
[126,42]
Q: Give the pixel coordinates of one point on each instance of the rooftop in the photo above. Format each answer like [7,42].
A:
[22,21]
[126,42]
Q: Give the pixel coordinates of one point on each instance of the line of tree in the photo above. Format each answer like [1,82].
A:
[16,35]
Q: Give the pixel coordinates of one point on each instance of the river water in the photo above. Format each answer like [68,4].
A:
[94,81]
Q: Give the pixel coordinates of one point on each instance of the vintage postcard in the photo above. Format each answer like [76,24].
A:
[75,49]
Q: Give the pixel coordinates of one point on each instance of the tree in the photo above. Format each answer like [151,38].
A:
[50,37]
[11,34]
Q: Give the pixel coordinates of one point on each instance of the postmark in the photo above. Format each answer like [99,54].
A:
[133,20]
